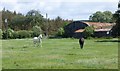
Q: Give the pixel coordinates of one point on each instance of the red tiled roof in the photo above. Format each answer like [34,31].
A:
[98,25]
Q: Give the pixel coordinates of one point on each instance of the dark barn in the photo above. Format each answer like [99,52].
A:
[102,33]
[72,27]
[75,29]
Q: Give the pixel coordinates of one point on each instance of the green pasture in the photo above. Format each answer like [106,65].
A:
[60,54]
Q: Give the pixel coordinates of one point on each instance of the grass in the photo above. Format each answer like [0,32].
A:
[0,54]
[59,54]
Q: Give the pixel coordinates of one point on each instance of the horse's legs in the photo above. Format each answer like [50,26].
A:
[34,43]
[81,45]
[41,45]
[38,44]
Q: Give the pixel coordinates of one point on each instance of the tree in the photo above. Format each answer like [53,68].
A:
[19,23]
[99,16]
[108,16]
[89,31]
[115,29]
[51,26]
[36,31]
[34,17]
[6,14]
[58,22]
[96,17]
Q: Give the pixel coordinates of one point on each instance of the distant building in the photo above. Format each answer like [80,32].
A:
[76,28]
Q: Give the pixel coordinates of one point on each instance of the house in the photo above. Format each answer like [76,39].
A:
[76,28]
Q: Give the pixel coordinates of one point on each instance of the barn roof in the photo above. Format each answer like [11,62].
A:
[96,30]
[80,30]
[98,25]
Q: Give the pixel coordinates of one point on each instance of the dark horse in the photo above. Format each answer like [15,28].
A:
[81,42]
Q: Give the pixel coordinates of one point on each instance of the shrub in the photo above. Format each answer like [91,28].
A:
[36,30]
[8,33]
[89,31]
[0,33]
[4,36]
[23,34]
[60,32]
[31,33]
[15,35]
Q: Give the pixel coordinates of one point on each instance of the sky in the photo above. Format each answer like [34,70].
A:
[66,9]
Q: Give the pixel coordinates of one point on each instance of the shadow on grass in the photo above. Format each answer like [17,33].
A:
[108,41]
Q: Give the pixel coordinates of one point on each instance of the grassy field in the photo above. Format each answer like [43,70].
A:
[59,54]
[0,55]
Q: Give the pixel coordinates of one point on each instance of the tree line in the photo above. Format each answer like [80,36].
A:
[33,21]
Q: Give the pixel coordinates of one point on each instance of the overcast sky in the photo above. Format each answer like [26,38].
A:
[67,9]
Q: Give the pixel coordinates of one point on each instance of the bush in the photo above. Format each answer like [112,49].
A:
[15,35]
[0,33]
[31,33]
[8,33]
[4,36]
[23,34]
[60,32]
[89,31]
[36,31]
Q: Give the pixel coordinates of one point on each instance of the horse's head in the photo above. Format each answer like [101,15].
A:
[40,36]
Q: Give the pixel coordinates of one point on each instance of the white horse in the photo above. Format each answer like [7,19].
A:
[38,40]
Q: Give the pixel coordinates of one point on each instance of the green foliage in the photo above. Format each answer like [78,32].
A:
[36,17]
[19,22]
[23,34]
[36,30]
[50,27]
[116,28]
[4,36]
[6,14]
[15,35]
[1,33]
[31,33]
[8,33]
[60,32]
[99,16]
[65,23]
[108,16]
[89,31]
